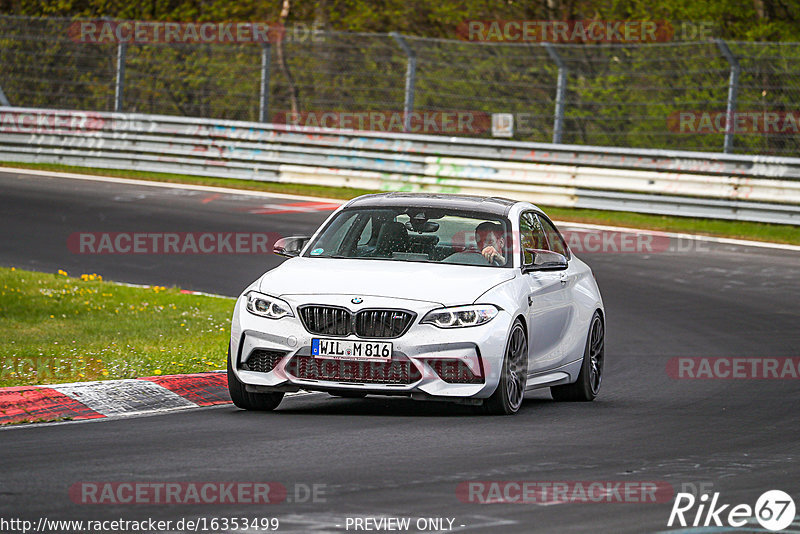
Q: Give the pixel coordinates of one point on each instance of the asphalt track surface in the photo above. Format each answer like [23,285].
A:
[396,457]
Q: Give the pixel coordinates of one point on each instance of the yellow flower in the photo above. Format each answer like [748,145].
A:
[62,272]
[157,372]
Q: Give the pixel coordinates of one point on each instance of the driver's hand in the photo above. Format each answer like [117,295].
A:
[491,254]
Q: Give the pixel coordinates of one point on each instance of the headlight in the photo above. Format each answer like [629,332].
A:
[459,316]
[266,306]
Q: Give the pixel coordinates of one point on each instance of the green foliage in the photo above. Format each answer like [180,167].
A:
[55,328]
[771,20]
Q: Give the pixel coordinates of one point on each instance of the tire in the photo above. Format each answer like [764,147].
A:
[586,388]
[348,394]
[250,401]
[507,398]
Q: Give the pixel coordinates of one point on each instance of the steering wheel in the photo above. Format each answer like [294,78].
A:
[494,261]
[479,257]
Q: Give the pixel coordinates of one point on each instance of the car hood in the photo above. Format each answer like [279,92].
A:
[443,284]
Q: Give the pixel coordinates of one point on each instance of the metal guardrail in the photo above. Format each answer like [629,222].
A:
[695,184]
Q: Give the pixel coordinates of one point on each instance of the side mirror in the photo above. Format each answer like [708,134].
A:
[544,260]
[290,246]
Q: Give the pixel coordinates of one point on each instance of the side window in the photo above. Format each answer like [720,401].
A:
[366,234]
[531,235]
[554,237]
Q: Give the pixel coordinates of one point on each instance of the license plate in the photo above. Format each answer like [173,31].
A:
[340,349]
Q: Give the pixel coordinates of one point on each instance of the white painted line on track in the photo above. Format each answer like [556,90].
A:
[168,185]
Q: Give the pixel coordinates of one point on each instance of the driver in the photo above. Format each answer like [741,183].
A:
[491,241]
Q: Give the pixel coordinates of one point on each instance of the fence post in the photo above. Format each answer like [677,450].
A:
[263,101]
[3,100]
[733,89]
[122,49]
[411,79]
[561,92]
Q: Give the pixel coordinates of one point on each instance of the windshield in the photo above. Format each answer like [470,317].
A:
[416,234]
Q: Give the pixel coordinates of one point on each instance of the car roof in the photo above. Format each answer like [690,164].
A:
[493,205]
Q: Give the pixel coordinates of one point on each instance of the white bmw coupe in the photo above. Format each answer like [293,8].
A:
[437,297]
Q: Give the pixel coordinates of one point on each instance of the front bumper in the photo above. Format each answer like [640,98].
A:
[427,362]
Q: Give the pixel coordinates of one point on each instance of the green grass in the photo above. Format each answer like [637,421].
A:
[55,329]
[777,233]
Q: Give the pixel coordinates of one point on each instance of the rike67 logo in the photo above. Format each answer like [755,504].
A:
[774,511]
